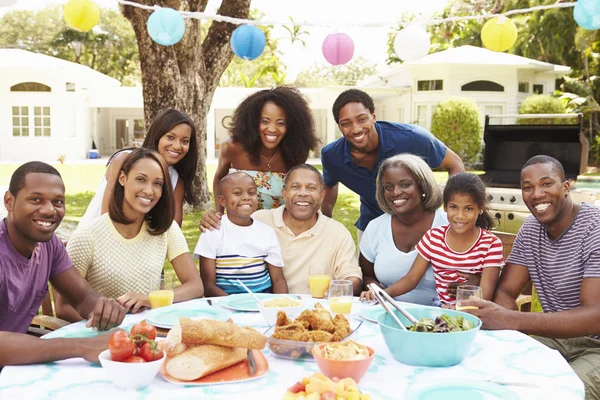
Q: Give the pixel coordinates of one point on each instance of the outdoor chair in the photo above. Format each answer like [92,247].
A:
[525,299]
[46,321]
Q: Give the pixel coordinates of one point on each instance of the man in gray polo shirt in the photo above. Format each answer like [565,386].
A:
[558,248]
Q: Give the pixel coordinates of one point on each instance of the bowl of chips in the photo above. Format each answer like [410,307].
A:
[341,360]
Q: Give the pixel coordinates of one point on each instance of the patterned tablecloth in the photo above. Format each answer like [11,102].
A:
[497,355]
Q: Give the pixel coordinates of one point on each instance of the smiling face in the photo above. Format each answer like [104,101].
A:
[37,209]
[175,144]
[143,187]
[272,125]
[239,196]
[462,211]
[401,191]
[303,194]
[545,193]
[357,124]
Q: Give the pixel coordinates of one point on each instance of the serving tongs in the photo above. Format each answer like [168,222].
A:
[383,298]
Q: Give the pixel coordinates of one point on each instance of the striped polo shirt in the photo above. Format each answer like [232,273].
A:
[446,263]
[241,252]
[557,267]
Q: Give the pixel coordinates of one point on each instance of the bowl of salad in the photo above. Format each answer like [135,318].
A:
[441,338]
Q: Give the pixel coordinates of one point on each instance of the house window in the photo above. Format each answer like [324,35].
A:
[41,121]
[424,114]
[70,86]
[523,87]
[30,87]
[20,121]
[482,86]
[492,109]
[424,86]
[538,88]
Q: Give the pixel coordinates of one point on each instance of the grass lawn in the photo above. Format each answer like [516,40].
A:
[81,181]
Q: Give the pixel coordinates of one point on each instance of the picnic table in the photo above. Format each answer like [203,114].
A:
[495,355]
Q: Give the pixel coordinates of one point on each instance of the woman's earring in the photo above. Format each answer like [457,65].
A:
[423,196]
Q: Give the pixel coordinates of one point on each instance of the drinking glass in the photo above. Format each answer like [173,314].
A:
[164,295]
[466,292]
[340,296]
[318,281]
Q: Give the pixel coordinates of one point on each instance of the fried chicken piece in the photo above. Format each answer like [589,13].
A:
[304,318]
[320,320]
[319,336]
[290,327]
[342,328]
[282,319]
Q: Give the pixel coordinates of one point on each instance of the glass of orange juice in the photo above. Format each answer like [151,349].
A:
[318,281]
[164,295]
[340,296]
[466,292]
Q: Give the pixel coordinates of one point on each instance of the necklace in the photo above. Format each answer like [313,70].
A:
[269,161]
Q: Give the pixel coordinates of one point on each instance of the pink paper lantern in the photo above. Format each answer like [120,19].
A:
[338,48]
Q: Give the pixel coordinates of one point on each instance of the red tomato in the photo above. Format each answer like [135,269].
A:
[121,346]
[145,329]
[151,351]
[135,359]
[297,388]
[328,396]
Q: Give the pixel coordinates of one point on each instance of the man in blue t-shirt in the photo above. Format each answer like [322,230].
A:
[354,158]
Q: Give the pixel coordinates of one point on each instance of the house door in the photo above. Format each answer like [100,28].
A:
[128,132]
[121,133]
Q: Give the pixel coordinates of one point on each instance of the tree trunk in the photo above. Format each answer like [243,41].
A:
[185,76]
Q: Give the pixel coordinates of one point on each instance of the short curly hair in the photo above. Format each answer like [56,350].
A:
[351,96]
[300,135]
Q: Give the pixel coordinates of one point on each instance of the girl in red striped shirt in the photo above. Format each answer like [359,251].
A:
[463,246]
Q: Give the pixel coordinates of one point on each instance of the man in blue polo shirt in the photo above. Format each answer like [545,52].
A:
[354,158]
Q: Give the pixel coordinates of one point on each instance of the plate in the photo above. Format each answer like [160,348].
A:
[239,372]
[78,332]
[371,313]
[245,302]
[166,317]
[462,390]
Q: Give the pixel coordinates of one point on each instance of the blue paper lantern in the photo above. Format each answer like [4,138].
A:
[166,26]
[248,42]
[587,14]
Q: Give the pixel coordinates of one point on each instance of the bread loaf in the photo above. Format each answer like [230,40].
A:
[220,333]
[199,361]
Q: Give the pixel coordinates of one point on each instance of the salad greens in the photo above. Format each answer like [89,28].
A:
[441,324]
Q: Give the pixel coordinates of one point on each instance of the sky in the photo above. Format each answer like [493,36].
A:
[370,43]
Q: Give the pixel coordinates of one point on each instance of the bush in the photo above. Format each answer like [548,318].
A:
[457,123]
[541,104]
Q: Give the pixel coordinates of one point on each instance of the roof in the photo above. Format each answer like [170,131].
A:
[471,55]
[85,76]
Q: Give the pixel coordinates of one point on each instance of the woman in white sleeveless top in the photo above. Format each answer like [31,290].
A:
[173,135]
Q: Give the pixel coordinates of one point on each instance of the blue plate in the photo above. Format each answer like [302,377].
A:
[166,317]
[77,332]
[245,302]
[371,313]
[462,390]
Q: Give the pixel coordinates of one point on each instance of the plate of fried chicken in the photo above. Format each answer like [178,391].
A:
[296,339]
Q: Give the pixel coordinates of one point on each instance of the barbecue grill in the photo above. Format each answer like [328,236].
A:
[509,146]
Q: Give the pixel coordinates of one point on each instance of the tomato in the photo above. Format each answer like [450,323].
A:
[144,329]
[121,346]
[135,359]
[298,387]
[151,351]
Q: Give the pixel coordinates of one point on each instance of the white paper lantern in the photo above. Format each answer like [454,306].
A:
[412,43]
[8,3]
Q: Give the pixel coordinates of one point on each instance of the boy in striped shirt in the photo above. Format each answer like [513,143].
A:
[242,248]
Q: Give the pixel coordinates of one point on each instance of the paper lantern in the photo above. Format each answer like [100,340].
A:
[587,14]
[499,34]
[248,42]
[7,3]
[82,15]
[338,48]
[412,43]
[166,26]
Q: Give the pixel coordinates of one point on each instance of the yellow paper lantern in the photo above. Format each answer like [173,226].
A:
[499,34]
[82,15]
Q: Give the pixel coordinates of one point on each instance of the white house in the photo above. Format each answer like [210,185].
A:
[51,107]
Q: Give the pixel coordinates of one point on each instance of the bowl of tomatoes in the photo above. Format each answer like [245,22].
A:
[133,359]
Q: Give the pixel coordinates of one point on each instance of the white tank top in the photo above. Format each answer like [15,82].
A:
[95,206]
